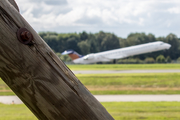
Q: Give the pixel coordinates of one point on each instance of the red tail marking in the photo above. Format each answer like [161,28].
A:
[73,56]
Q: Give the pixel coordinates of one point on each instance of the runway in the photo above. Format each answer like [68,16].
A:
[110,98]
[10,100]
[125,71]
[138,98]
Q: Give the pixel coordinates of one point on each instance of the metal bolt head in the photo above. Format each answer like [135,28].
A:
[25,35]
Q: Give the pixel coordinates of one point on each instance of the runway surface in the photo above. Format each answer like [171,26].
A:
[110,98]
[137,98]
[10,100]
[124,71]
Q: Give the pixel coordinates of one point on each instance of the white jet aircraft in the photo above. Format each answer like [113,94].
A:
[116,53]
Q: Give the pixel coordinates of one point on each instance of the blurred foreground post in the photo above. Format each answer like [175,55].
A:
[37,76]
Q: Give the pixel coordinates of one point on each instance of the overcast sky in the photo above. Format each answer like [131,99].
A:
[121,17]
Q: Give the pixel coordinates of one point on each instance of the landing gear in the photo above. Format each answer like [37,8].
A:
[114,61]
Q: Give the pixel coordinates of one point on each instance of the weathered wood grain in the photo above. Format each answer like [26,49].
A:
[14,4]
[39,78]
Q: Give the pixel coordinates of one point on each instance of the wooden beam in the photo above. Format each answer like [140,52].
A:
[38,77]
[14,4]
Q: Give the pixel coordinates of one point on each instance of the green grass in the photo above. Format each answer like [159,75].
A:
[140,83]
[143,110]
[133,92]
[123,66]
[119,111]
[133,80]
[15,112]
[147,83]
[6,93]
[4,89]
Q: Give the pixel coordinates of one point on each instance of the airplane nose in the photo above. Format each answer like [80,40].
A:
[168,46]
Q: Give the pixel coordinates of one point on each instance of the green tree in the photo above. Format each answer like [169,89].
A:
[84,47]
[139,38]
[92,43]
[83,36]
[160,59]
[51,40]
[168,59]
[149,60]
[106,41]
[178,60]
[72,43]
[174,51]
[109,42]
[99,38]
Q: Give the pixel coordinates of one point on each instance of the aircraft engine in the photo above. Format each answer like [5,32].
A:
[88,57]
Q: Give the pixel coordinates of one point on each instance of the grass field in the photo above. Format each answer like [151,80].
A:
[144,110]
[119,111]
[139,83]
[4,89]
[15,112]
[123,66]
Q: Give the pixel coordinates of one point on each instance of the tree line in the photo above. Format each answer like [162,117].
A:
[85,43]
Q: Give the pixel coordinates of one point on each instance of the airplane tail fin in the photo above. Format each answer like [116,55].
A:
[72,54]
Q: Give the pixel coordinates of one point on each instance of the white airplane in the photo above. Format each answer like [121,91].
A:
[116,53]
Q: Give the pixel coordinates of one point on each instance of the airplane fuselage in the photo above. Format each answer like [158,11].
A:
[122,52]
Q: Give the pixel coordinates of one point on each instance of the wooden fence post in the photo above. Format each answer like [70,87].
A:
[37,76]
